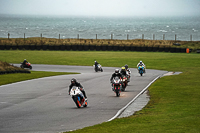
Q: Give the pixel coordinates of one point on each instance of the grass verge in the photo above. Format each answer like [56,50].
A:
[174,102]
[12,78]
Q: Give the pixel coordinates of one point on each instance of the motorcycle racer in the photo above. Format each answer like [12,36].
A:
[127,69]
[123,71]
[115,74]
[24,62]
[75,83]
[96,64]
[141,64]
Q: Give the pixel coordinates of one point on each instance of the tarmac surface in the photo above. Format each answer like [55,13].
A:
[43,105]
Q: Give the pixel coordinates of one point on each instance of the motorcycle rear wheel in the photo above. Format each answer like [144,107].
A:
[123,87]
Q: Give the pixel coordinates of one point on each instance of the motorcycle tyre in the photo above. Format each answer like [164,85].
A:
[30,67]
[123,87]
[76,101]
[21,66]
[117,94]
[85,105]
[77,104]
[141,72]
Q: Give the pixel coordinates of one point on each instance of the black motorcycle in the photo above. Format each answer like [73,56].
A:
[116,84]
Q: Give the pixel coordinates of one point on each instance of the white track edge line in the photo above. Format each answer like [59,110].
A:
[121,110]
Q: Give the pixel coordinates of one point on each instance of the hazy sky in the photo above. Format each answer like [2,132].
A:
[101,7]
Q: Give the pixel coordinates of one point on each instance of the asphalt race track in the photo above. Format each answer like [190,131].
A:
[43,105]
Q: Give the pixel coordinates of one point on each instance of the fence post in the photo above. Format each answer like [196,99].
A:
[41,36]
[96,36]
[8,35]
[163,36]
[153,36]
[111,36]
[77,36]
[175,37]
[127,36]
[190,37]
[24,36]
[142,36]
[59,36]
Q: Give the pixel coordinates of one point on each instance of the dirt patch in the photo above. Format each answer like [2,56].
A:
[6,68]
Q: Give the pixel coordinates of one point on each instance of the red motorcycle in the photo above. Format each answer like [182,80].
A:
[124,82]
[27,65]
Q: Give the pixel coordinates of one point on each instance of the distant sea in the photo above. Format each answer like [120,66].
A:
[88,27]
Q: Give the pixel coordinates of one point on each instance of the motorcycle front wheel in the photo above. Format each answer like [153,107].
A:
[77,102]
[141,73]
[117,94]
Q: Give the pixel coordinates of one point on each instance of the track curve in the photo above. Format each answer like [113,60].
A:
[43,105]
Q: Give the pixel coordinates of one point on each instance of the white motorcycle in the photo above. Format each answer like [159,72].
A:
[117,85]
[98,68]
[78,97]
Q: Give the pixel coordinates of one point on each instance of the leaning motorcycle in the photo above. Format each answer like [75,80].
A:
[78,97]
[98,68]
[27,65]
[124,82]
[141,70]
[128,73]
[116,84]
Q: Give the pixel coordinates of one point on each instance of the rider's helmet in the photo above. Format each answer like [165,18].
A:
[73,80]
[24,59]
[140,62]
[126,66]
[116,71]
[123,68]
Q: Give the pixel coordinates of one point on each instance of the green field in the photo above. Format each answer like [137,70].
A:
[174,100]
[154,60]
